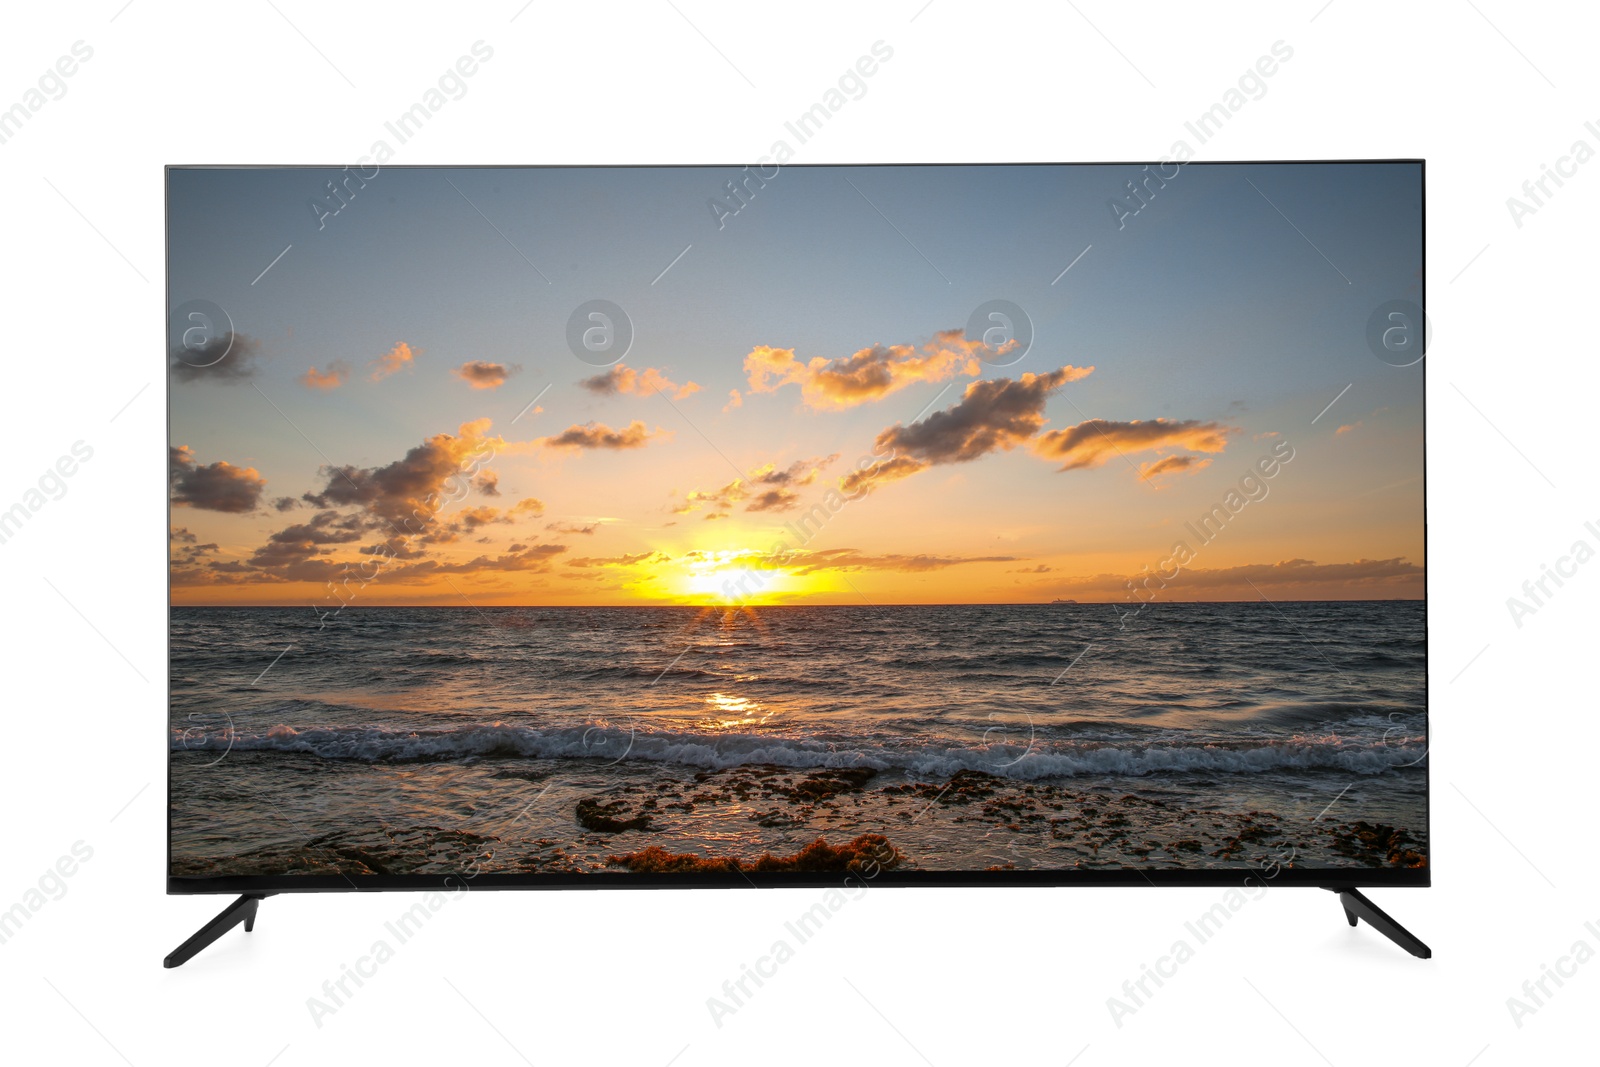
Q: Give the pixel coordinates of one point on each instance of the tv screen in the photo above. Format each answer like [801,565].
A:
[561,526]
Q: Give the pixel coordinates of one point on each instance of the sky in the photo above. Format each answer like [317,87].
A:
[1188,409]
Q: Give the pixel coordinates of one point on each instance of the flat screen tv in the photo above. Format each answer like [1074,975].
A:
[782,525]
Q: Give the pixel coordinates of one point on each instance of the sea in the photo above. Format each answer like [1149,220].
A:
[417,739]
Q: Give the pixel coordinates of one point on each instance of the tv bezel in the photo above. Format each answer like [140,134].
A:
[1314,877]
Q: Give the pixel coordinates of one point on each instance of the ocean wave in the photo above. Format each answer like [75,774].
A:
[610,744]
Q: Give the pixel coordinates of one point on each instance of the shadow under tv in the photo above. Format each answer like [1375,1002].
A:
[444,546]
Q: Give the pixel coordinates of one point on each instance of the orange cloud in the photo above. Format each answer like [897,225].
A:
[536,558]
[1092,442]
[994,415]
[403,499]
[767,489]
[734,400]
[848,559]
[481,375]
[1294,579]
[336,375]
[465,521]
[866,479]
[719,500]
[869,374]
[297,551]
[804,561]
[998,414]
[599,435]
[619,561]
[647,382]
[219,486]
[396,359]
[1172,465]
[400,502]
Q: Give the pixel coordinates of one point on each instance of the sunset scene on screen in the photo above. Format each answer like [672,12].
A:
[856,489]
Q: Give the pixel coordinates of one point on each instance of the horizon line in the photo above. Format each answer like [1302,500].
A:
[951,604]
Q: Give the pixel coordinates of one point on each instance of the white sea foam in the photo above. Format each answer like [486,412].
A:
[1053,759]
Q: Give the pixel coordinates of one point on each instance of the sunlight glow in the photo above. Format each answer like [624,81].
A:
[728,712]
[736,576]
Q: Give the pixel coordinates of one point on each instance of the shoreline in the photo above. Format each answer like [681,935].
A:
[537,816]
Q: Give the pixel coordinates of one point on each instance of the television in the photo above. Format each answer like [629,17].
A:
[629,527]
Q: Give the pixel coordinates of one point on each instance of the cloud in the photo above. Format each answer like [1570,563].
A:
[1172,465]
[336,375]
[1357,424]
[800,472]
[396,359]
[599,435]
[735,399]
[324,528]
[1092,442]
[803,561]
[1301,579]
[884,471]
[404,498]
[868,374]
[400,501]
[619,561]
[237,365]
[1302,571]
[463,522]
[481,375]
[472,518]
[767,488]
[572,527]
[719,500]
[219,486]
[998,414]
[286,503]
[191,567]
[848,559]
[295,552]
[537,558]
[647,382]
[188,562]
[995,415]
[775,500]
[192,555]
[403,502]
[487,482]
[300,552]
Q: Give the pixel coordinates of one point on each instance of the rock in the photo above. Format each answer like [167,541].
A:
[866,854]
[602,818]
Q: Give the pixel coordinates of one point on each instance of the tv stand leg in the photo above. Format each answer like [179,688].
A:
[242,910]
[1357,906]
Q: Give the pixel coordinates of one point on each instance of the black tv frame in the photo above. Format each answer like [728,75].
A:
[1346,882]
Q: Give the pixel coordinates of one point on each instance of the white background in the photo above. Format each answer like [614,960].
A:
[1488,92]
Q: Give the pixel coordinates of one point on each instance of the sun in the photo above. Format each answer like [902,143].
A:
[739,576]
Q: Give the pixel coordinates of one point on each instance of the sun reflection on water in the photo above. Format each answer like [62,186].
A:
[729,712]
